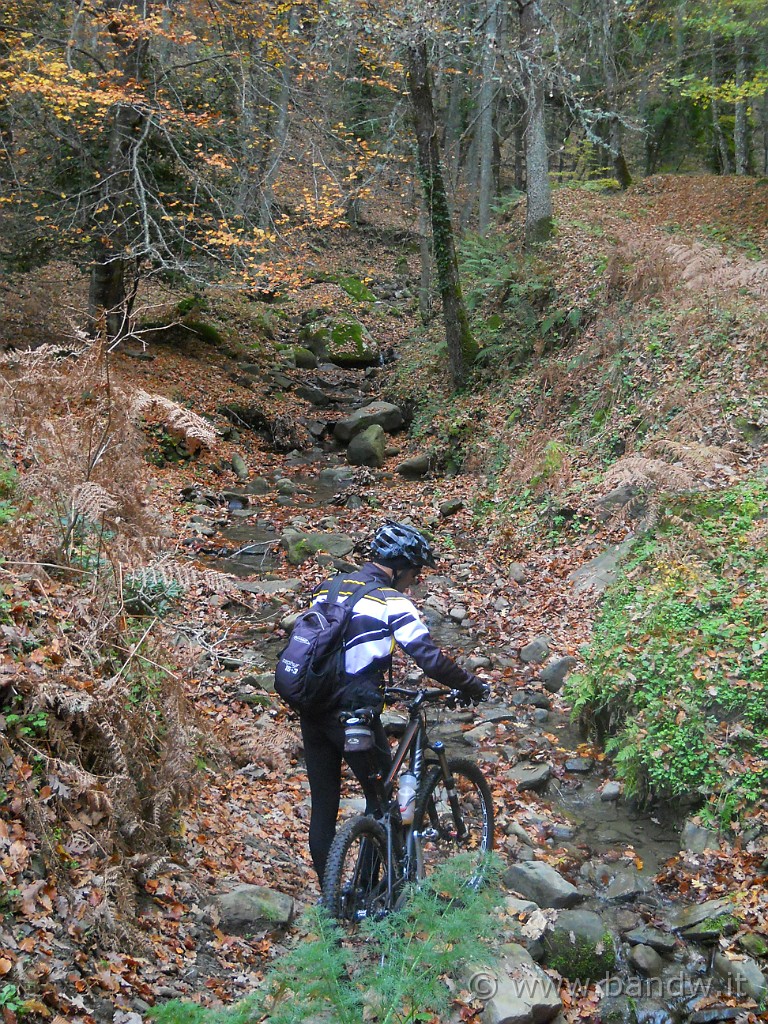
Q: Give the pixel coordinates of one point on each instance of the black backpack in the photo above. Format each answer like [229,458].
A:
[310,668]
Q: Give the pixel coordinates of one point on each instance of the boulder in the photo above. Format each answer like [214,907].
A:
[305,360]
[450,508]
[580,946]
[249,909]
[696,839]
[528,775]
[646,961]
[743,976]
[600,572]
[626,886]
[389,417]
[646,936]
[553,676]
[519,991]
[301,546]
[239,467]
[415,468]
[368,448]
[539,882]
[536,651]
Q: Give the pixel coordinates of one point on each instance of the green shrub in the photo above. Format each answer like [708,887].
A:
[678,668]
[396,971]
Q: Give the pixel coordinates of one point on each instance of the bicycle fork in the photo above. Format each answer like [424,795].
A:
[450,787]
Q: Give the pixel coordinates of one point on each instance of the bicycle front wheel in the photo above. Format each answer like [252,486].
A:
[449,823]
[355,882]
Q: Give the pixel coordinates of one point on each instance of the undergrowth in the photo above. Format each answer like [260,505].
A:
[678,667]
[394,970]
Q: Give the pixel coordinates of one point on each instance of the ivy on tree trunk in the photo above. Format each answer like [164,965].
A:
[462,347]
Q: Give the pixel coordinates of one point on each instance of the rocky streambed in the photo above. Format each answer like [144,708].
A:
[581,862]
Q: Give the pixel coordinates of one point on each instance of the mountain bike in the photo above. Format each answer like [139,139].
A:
[374,858]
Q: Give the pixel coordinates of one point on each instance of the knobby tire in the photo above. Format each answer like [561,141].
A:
[355,882]
[434,818]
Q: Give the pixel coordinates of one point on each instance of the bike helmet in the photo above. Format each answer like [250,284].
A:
[401,547]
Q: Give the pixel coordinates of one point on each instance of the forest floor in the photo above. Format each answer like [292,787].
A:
[247,820]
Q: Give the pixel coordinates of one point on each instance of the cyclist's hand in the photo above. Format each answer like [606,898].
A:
[475,691]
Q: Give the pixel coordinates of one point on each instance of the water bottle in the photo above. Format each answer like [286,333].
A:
[407,797]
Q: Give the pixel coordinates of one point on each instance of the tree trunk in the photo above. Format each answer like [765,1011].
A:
[487,120]
[108,295]
[280,134]
[741,126]
[425,277]
[615,130]
[721,143]
[462,347]
[538,216]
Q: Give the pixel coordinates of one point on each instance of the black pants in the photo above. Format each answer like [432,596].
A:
[323,737]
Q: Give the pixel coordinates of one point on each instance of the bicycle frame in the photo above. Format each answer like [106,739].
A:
[413,746]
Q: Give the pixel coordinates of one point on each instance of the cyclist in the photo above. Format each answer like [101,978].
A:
[382,618]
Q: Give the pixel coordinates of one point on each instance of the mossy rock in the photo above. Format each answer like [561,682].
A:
[356,289]
[580,946]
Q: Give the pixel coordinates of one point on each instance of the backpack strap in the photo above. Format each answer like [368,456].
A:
[363,589]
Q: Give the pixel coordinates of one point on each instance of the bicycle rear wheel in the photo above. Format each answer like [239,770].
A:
[445,829]
[355,882]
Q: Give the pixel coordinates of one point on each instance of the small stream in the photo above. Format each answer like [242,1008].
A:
[620,848]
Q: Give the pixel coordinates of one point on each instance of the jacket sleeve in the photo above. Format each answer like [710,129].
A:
[412,635]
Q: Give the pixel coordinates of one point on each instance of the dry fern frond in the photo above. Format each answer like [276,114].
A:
[178,420]
[648,474]
[701,457]
[92,501]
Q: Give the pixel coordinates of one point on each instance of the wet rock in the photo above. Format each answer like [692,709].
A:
[536,651]
[285,487]
[337,476]
[239,467]
[382,414]
[580,946]
[626,886]
[695,839]
[610,792]
[530,776]
[660,941]
[539,882]
[754,944]
[301,546]
[687,917]
[481,732]
[458,613]
[521,698]
[553,676]
[744,977]
[646,960]
[414,468]
[541,715]
[257,486]
[579,764]
[367,448]
[252,908]
[522,992]
[713,1014]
